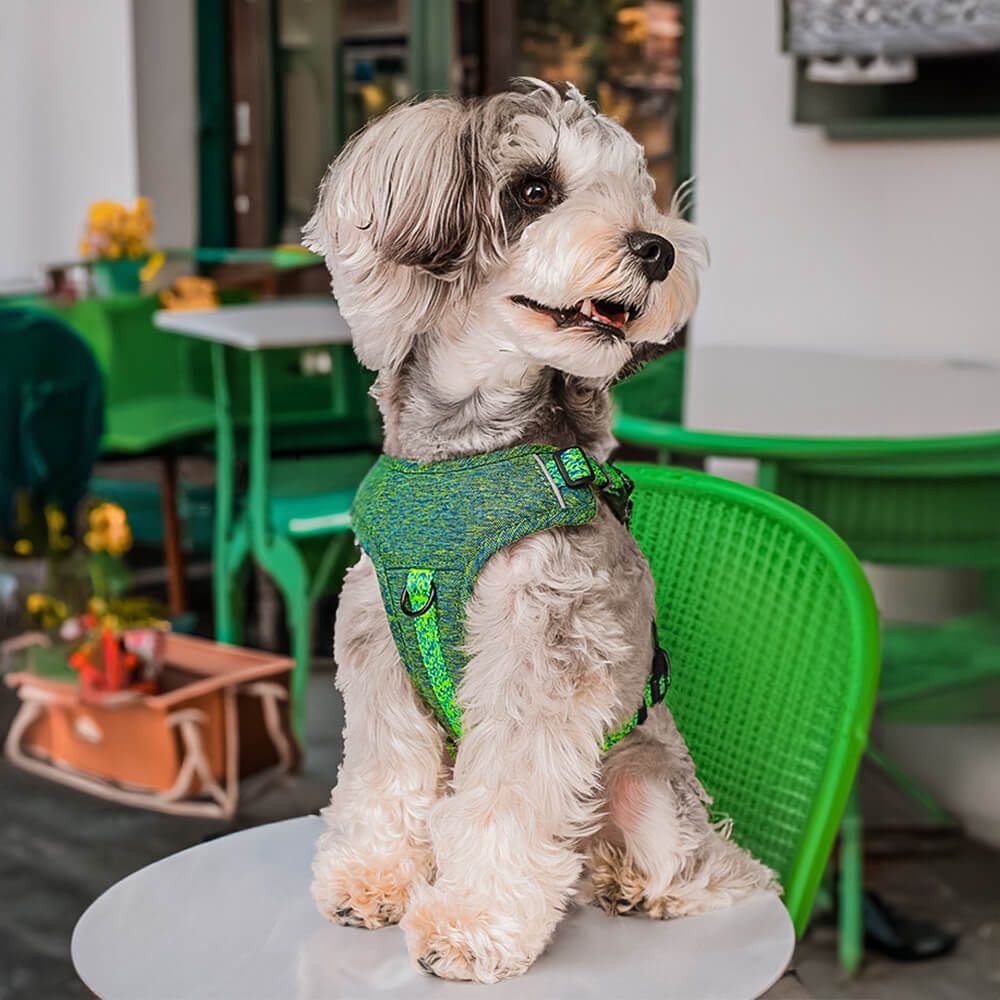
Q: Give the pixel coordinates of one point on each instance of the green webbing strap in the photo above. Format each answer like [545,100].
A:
[662,683]
[419,605]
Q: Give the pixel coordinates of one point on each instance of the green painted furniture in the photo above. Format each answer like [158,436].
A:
[154,408]
[656,390]
[918,500]
[293,520]
[773,640]
[912,501]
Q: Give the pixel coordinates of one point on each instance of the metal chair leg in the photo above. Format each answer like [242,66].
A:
[172,545]
[850,938]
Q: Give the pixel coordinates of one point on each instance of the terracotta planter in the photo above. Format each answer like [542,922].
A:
[221,716]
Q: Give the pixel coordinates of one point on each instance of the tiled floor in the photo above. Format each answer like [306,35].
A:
[59,849]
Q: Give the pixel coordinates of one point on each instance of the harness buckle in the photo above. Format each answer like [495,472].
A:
[407,608]
[577,455]
[660,674]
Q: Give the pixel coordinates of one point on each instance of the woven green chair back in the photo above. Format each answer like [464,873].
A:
[773,639]
[51,412]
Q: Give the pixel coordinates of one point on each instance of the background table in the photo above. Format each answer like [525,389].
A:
[263,326]
[779,392]
[316,399]
[234,918]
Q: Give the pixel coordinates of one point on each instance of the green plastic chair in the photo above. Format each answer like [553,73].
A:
[151,399]
[906,502]
[913,502]
[774,647]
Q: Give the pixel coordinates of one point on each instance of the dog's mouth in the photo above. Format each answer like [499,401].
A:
[599,314]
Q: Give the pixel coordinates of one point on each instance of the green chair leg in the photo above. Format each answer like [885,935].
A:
[300,623]
[916,792]
[851,932]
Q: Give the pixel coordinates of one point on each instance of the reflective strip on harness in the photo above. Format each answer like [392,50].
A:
[420,592]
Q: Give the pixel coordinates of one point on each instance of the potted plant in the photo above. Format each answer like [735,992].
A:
[119,240]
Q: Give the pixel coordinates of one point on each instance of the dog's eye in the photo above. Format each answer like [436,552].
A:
[535,192]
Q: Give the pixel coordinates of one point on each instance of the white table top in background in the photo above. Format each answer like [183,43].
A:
[782,392]
[234,918]
[283,323]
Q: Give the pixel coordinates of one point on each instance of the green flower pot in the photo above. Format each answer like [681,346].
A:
[118,277]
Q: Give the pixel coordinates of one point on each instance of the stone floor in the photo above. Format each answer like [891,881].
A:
[60,849]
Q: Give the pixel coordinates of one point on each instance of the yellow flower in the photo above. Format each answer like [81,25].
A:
[109,531]
[36,603]
[55,519]
[23,547]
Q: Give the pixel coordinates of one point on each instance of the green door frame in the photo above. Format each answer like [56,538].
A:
[214,125]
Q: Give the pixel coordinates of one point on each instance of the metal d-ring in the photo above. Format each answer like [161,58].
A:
[407,608]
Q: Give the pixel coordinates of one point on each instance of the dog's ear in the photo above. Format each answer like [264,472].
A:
[403,219]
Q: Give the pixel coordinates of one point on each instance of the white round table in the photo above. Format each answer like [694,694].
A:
[233,918]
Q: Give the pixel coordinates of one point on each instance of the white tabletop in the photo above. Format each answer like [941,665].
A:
[283,323]
[234,918]
[796,393]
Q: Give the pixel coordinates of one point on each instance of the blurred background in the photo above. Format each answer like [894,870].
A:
[159,161]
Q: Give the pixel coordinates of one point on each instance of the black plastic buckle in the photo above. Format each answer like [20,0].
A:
[660,673]
[407,608]
[574,484]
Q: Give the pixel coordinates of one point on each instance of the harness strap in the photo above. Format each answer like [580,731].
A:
[417,603]
[656,690]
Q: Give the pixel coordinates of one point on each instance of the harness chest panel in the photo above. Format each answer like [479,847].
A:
[429,528]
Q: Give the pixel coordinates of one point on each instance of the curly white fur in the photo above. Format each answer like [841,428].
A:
[432,257]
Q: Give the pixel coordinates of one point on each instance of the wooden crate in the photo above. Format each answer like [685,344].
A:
[221,716]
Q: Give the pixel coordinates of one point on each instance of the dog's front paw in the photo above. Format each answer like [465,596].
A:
[356,890]
[457,936]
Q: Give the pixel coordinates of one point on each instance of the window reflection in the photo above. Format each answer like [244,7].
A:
[625,56]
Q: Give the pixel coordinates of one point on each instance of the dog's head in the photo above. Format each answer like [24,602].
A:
[518,231]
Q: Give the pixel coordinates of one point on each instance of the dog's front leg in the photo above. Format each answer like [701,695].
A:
[534,697]
[377,844]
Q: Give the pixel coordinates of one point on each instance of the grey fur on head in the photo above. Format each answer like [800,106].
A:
[435,254]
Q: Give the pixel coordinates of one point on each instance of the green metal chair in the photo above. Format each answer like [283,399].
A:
[773,640]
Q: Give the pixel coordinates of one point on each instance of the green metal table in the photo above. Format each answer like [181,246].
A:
[290,501]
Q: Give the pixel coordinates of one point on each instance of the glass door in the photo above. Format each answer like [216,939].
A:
[630,56]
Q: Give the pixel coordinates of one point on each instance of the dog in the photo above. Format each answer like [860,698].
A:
[501,263]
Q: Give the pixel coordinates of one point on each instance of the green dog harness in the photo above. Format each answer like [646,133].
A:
[429,528]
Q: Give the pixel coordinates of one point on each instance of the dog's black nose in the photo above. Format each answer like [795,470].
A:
[656,255]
